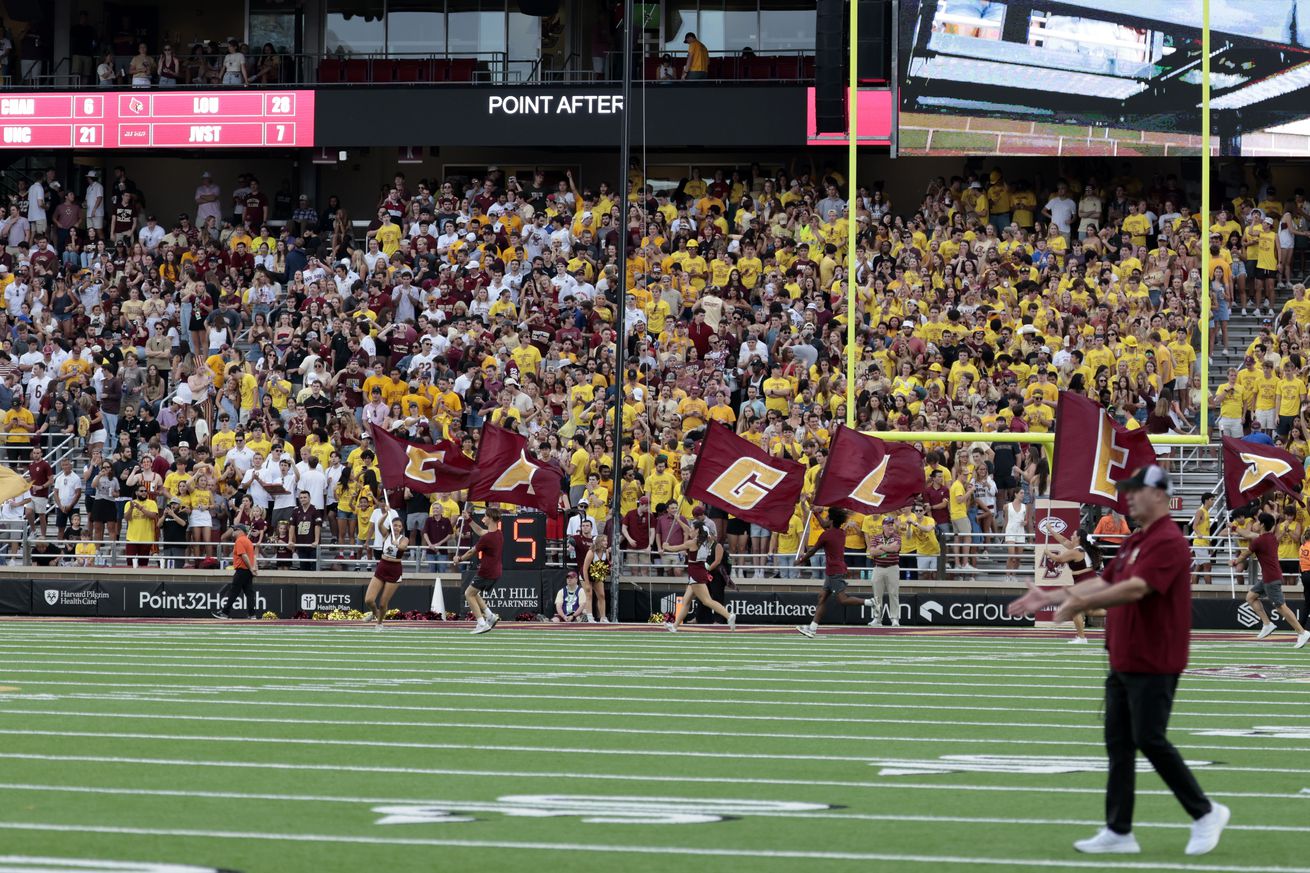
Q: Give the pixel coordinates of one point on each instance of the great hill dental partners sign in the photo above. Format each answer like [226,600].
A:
[555,104]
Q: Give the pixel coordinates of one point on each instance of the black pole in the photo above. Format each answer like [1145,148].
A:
[621,316]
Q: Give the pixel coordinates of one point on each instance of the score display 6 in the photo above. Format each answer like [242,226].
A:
[183,119]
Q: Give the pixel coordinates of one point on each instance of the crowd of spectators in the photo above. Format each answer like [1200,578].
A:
[215,365]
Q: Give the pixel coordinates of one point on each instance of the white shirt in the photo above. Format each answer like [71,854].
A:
[1062,210]
[288,483]
[95,201]
[15,295]
[35,194]
[240,457]
[67,487]
[36,390]
[213,208]
[381,520]
[313,481]
[151,237]
[255,488]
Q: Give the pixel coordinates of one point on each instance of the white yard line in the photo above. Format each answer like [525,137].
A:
[457,805]
[683,851]
[1281,746]
[606,777]
[1194,692]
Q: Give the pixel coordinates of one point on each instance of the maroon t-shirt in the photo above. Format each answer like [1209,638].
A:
[1152,635]
[935,496]
[40,473]
[833,543]
[489,548]
[1265,550]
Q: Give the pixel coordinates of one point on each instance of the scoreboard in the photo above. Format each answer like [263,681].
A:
[157,119]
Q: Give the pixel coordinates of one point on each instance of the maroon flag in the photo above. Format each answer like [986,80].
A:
[1093,452]
[508,473]
[736,476]
[866,474]
[1251,469]
[422,467]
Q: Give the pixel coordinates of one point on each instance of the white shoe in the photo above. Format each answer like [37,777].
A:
[602,620]
[805,630]
[732,621]
[670,627]
[1107,842]
[481,628]
[759,572]
[493,621]
[1078,641]
[1207,829]
[379,626]
[877,622]
[1266,630]
[896,622]
[1301,639]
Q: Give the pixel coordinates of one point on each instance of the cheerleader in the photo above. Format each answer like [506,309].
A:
[1084,559]
[387,575]
[704,556]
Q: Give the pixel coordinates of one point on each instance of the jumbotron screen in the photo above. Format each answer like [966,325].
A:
[1114,77]
[157,120]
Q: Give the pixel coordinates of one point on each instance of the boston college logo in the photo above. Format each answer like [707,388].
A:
[1259,468]
[520,473]
[417,461]
[867,491]
[1109,457]
[746,483]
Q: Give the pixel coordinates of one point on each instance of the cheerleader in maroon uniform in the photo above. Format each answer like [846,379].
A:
[387,575]
[704,555]
[1084,559]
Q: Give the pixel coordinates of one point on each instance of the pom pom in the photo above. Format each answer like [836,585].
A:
[269,616]
[526,615]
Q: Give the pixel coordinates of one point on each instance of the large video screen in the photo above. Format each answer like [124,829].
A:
[1111,77]
[156,119]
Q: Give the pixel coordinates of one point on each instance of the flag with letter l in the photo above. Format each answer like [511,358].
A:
[869,475]
[1251,469]
[1093,452]
[424,468]
[506,472]
[735,475]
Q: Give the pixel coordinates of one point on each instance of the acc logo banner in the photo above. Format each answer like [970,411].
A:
[746,482]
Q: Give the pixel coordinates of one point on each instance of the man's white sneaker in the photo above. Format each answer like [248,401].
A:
[1107,842]
[493,621]
[732,621]
[1266,630]
[670,627]
[1301,639]
[1207,829]
[1078,641]
[877,622]
[896,622]
[481,628]
[805,630]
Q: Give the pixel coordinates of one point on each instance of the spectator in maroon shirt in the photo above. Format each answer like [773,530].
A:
[636,527]
[40,474]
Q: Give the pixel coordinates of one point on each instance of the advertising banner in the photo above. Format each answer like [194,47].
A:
[191,600]
[60,597]
[16,597]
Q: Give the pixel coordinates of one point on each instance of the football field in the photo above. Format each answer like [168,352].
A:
[289,749]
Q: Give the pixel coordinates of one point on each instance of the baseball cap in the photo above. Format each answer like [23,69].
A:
[1150,476]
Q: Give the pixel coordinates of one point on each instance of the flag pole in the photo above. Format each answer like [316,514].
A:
[852,209]
[621,317]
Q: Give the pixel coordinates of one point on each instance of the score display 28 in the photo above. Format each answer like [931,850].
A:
[137,119]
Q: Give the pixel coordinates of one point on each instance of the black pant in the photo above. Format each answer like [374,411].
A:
[243,582]
[1137,707]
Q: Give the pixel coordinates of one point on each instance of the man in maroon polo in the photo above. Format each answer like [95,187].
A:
[1147,596]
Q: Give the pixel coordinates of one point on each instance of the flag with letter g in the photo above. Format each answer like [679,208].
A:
[743,480]
[869,475]
[1251,469]
[423,468]
[508,473]
[1093,452]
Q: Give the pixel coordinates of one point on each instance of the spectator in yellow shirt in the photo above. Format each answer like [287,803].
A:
[698,58]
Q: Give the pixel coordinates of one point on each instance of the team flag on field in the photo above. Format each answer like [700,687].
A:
[12,484]
[869,475]
[506,472]
[1093,452]
[740,478]
[1251,469]
[421,467]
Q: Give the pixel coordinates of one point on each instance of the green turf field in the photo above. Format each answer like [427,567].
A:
[285,749]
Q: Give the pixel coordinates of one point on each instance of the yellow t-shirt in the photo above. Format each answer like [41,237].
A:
[959,503]
[140,528]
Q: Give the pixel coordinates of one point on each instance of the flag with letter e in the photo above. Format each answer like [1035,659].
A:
[1093,452]
[424,468]
[506,472]
[736,476]
[1251,469]
[868,475]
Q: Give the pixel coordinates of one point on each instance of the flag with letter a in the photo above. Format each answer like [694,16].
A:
[424,468]
[1093,452]
[869,475]
[506,472]
[742,479]
[1251,469]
